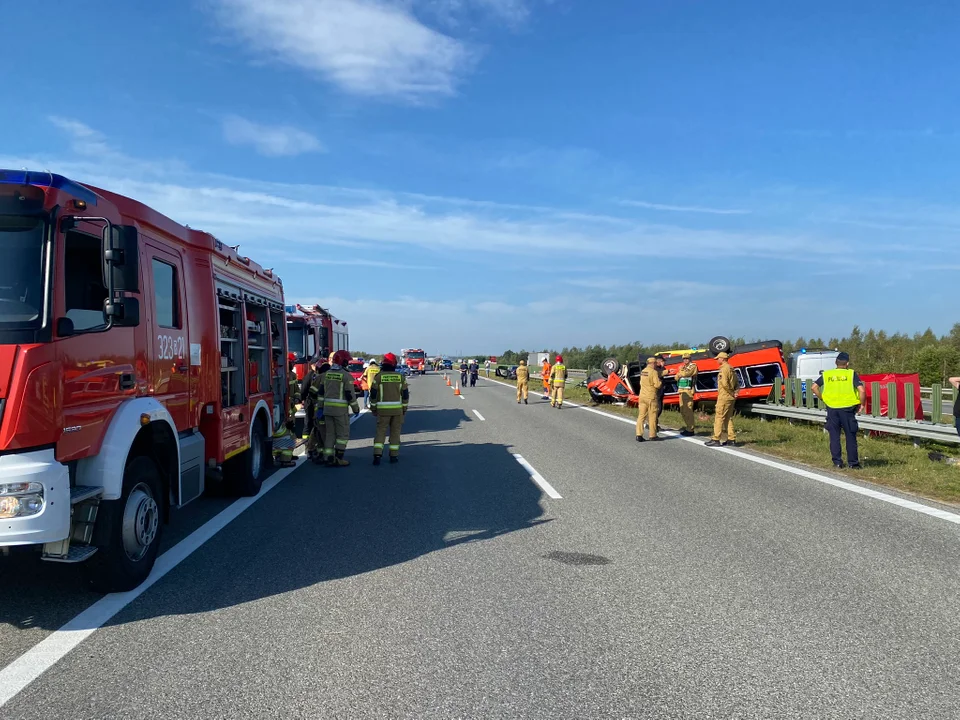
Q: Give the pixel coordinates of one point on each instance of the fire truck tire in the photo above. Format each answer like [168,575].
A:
[610,366]
[127,531]
[246,474]
[719,344]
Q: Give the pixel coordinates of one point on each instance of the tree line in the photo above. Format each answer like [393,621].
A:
[934,358]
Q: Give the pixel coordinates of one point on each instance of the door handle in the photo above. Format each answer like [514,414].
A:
[127,381]
[182,369]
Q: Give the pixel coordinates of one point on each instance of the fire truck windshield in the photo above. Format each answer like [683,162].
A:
[416,355]
[21,272]
[296,337]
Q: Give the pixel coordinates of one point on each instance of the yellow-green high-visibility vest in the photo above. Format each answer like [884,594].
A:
[838,390]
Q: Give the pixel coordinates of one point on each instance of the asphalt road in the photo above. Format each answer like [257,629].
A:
[669,581]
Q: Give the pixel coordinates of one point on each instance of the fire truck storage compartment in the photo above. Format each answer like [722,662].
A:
[278,326]
[231,351]
[258,342]
[191,467]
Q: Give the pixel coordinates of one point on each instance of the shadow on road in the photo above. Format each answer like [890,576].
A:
[318,525]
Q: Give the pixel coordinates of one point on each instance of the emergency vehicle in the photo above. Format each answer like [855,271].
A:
[138,359]
[313,333]
[415,359]
[756,365]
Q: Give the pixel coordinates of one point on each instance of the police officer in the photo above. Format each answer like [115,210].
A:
[337,399]
[844,394]
[389,398]
[463,372]
[647,407]
[686,376]
[523,382]
[558,381]
[727,390]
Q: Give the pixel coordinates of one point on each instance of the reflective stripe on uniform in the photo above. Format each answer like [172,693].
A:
[390,404]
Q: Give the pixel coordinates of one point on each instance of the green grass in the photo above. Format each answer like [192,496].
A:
[887,460]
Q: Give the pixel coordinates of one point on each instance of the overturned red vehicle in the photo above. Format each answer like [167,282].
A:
[756,365]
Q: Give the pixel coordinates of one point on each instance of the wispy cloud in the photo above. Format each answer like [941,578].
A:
[366,47]
[683,208]
[269,140]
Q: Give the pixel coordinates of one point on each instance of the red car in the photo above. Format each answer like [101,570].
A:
[757,366]
[355,368]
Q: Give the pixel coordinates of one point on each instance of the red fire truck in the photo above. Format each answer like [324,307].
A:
[314,333]
[137,358]
[415,359]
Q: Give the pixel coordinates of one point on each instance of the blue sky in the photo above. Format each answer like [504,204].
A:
[486,174]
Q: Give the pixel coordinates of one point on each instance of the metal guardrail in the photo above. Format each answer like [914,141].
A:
[790,400]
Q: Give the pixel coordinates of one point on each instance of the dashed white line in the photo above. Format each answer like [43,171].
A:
[53,648]
[538,478]
[475,412]
[800,472]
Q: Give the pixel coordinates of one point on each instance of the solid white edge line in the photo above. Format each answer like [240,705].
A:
[475,412]
[800,472]
[53,648]
[537,477]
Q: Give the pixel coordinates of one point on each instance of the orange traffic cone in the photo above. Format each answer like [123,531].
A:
[456,390]
[448,382]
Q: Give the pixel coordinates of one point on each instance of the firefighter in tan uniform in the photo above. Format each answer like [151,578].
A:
[523,382]
[648,406]
[283,441]
[389,398]
[558,381]
[727,390]
[337,400]
[317,435]
[686,377]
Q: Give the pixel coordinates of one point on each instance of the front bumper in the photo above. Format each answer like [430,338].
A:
[52,523]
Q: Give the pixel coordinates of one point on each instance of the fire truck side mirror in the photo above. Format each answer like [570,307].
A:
[121,257]
[125,311]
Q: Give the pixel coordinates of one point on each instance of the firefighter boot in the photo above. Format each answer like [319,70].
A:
[339,460]
[376,459]
[394,459]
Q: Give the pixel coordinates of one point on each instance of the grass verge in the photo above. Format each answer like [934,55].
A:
[887,460]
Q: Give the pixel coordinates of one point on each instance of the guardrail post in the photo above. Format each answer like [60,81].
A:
[788,397]
[936,403]
[809,397]
[875,399]
[798,392]
[778,391]
[892,400]
[909,407]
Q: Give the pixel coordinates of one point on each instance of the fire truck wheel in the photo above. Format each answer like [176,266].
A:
[719,344]
[247,472]
[127,531]
[610,366]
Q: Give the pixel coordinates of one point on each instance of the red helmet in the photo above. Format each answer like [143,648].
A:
[341,358]
[291,357]
[390,358]
[560,358]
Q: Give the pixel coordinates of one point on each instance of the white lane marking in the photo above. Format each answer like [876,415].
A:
[479,415]
[538,478]
[800,472]
[461,397]
[53,648]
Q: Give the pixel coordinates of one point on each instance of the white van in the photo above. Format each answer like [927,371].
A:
[808,364]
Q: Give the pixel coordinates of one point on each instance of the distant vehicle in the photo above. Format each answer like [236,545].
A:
[447,364]
[403,370]
[313,333]
[756,365]
[415,359]
[507,371]
[355,368]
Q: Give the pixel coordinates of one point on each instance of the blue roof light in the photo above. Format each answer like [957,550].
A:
[45,179]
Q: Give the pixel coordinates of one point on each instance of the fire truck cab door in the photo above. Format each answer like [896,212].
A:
[169,364]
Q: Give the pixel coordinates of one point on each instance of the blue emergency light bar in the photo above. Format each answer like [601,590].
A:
[51,180]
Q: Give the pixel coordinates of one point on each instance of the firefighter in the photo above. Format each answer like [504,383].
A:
[727,390]
[558,381]
[315,413]
[647,407]
[523,381]
[389,398]
[686,386]
[336,400]
[844,394]
[283,440]
[366,381]
[545,378]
